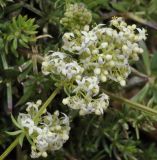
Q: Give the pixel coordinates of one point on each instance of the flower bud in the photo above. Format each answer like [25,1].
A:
[44,154]
[103,78]
[122,82]
[65,101]
[108,57]
[111,63]
[96,51]
[104,45]
[97,70]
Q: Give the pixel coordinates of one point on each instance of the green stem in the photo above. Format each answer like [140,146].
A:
[8,84]
[136,72]
[34,61]
[10,148]
[44,106]
[141,20]
[33,9]
[36,118]
[133,105]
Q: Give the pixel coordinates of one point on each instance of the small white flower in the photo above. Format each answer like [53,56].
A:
[35,154]
[108,57]
[89,36]
[111,63]
[65,101]
[97,71]
[122,82]
[41,143]
[104,45]
[44,154]
[142,34]
[103,78]
[26,122]
[87,84]
[96,51]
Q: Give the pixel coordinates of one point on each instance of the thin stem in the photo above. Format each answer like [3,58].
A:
[34,10]
[133,105]
[9,96]
[41,111]
[44,106]
[139,74]
[34,59]
[151,24]
[8,84]
[34,62]
[130,15]
[43,36]
[29,54]
[10,148]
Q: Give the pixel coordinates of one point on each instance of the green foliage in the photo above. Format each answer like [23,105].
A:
[2,3]
[19,33]
[122,133]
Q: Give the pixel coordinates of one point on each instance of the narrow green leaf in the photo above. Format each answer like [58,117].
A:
[121,6]
[22,43]
[14,133]
[30,32]
[15,122]
[154,63]
[14,24]
[21,138]
[24,38]
[15,43]
[28,93]
[146,59]
[140,96]
[14,51]
[29,139]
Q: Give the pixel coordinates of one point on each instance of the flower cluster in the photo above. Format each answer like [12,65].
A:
[88,104]
[90,57]
[76,17]
[49,134]
[61,65]
[106,51]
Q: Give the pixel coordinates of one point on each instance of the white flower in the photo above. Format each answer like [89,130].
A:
[41,143]
[35,154]
[65,101]
[71,69]
[33,107]
[26,122]
[103,78]
[88,84]
[108,57]
[89,105]
[50,134]
[89,36]
[122,82]
[104,45]
[96,51]
[142,34]
[97,71]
